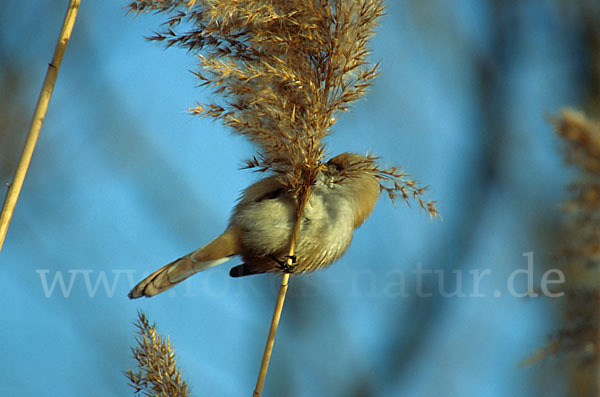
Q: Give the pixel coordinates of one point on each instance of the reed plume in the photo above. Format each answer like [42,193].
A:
[580,256]
[282,72]
[577,341]
[158,374]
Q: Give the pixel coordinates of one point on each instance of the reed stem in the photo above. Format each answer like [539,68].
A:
[39,113]
[264,365]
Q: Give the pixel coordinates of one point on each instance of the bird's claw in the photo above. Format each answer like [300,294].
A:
[285,265]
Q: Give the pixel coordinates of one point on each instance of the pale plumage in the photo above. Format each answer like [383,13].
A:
[262,222]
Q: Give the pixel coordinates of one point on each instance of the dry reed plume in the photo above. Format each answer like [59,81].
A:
[281,71]
[158,374]
[580,338]
[577,341]
[580,256]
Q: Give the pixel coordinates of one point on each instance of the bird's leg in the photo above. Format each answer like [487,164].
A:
[283,265]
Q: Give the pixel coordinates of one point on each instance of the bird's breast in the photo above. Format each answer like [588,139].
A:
[325,233]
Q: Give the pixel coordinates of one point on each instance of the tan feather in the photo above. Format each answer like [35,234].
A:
[212,254]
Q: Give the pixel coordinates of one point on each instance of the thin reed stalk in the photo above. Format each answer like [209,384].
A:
[10,201]
[264,365]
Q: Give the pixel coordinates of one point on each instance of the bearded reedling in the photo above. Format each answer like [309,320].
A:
[262,222]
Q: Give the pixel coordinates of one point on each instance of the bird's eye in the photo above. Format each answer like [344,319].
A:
[336,166]
[271,195]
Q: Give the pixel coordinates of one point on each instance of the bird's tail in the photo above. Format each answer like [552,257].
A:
[214,253]
[171,275]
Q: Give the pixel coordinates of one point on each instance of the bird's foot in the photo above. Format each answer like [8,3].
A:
[286,265]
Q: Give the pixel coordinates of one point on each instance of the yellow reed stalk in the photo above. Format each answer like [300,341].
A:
[264,365]
[14,189]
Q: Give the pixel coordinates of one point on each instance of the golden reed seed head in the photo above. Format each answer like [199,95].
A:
[282,72]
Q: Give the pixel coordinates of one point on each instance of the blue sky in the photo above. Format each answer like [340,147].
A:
[124,180]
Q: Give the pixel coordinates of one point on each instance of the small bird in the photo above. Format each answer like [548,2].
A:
[262,222]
